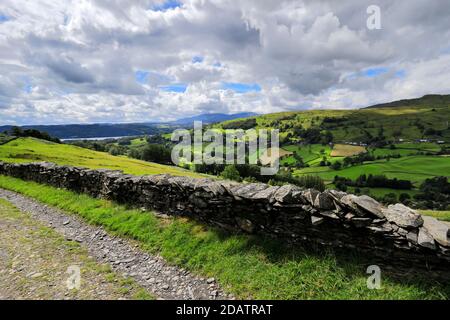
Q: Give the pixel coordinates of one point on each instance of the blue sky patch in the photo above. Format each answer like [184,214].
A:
[197,59]
[28,88]
[142,76]
[400,73]
[242,87]
[374,72]
[3,18]
[176,87]
[167,5]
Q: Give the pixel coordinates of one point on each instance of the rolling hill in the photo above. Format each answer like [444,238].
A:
[427,117]
[33,150]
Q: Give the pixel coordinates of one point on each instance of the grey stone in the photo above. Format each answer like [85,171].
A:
[285,193]
[425,239]
[246,191]
[315,221]
[363,204]
[324,201]
[403,216]
[438,230]
[329,214]
[265,194]
[361,222]
[310,195]
[337,195]
[412,237]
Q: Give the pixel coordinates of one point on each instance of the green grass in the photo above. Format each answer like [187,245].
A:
[248,266]
[407,149]
[30,149]
[441,215]
[379,193]
[311,154]
[414,168]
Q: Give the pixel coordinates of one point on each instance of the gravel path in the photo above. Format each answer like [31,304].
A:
[37,263]
[124,256]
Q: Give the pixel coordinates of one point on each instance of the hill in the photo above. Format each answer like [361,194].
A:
[33,150]
[436,100]
[424,118]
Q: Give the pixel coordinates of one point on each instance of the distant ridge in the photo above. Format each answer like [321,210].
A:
[209,118]
[436,100]
[102,130]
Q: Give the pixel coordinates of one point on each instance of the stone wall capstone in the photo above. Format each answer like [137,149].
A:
[396,233]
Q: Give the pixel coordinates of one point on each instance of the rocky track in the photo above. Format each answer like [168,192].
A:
[125,257]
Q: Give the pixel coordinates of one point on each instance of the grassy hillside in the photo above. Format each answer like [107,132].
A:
[407,119]
[31,150]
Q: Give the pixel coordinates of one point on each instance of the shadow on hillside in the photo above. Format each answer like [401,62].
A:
[353,263]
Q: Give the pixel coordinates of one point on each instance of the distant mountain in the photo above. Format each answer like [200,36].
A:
[82,131]
[209,118]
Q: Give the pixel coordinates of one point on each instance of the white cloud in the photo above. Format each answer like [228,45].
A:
[75,61]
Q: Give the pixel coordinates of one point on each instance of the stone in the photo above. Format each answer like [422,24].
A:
[361,222]
[438,230]
[310,195]
[324,201]
[210,280]
[403,216]
[412,237]
[329,214]
[426,240]
[285,193]
[384,228]
[337,195]
[246,191]
[265,194]
[245,224]
[363,204]
[315,221]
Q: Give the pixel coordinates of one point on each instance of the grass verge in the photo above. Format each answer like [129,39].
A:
[248,266]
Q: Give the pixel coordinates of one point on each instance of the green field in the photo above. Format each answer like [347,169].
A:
[406,149]
[311,154]
[414,168]
[247,266]
[33,150]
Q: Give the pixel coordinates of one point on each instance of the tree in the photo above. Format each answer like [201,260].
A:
[16,131]
[336,166]
[404,197]
[231,173]
[390,198]
[156,153]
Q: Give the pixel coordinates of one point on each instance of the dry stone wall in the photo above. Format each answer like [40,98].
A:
[395,234]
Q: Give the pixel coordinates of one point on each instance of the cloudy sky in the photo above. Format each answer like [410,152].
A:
[85,61]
